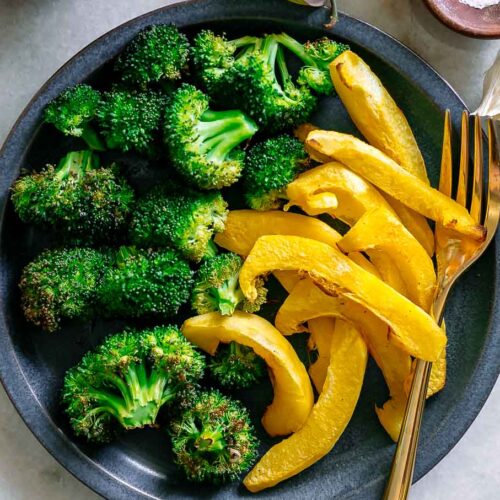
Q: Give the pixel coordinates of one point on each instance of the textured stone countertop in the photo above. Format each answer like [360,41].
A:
[38,36]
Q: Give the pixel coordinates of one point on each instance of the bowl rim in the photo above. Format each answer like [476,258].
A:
[17,142]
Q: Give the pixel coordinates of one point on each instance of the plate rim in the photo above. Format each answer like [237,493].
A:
[24,128]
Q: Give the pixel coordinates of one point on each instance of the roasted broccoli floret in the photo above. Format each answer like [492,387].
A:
[213,55]
[204,144]
[156,55]
[236,366]
[251,74]
[270,166]
[125,382]
[316,56]
[131,121]
[84,203]
[61,284]
[214,439]
[73,111]
[145,282]
[217,287]
[183,219]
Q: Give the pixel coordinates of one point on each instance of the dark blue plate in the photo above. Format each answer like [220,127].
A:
[139,465]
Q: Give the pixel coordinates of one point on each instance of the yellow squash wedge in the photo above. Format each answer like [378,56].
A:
[412,328]
[381,230]
[437,379]
[244,227]
[384,126]
[293,395]
[307,303]
[301,133]
[329,416]
[287,279]
[312,191]
[386,174]
[388,271]
[320,339]
[362,261]
[415,223]
[375,113]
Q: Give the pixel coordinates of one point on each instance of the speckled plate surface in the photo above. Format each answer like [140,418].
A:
[139,464]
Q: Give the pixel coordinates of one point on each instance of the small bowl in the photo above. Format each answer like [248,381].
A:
[477,23]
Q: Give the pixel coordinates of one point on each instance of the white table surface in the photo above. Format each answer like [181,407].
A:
[38,36]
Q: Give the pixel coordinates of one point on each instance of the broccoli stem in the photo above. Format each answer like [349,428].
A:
[92,138]
[221,131]
[244,41]
[124,253]
[276,57]
[211,250]
[139,396]
[283,68]
[76,163]
[269,49]
[234,348]
[210,440]
[296,48]
[229,296]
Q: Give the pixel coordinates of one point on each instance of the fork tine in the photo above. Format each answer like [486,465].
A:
[446,158]
[463,174]
[477,185]
[493,207]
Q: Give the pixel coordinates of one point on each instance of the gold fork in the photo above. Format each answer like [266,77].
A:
[454,255]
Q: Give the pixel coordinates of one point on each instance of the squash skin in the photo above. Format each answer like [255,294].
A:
[412,329]
[293,394]
[329,416]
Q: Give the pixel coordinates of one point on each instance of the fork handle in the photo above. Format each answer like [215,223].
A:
[403,463]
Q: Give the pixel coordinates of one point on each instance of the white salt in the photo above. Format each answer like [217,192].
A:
[480,4]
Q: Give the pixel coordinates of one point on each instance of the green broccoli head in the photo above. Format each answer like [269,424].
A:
[236,366]
[158,54]
[85,203]
[251,74]
[270,166]
[62,284]
[316,56]
[146,282]
[217,287]
[186,220]
[204,144]
[131,121]
[73,111]
[125,382]
[214,439]
[213,54]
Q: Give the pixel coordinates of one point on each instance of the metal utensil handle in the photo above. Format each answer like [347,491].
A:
[403,463]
